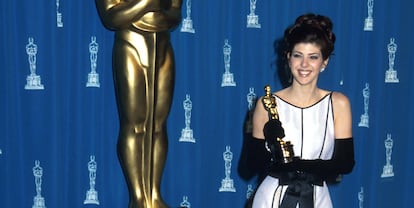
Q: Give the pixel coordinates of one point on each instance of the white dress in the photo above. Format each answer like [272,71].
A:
[311,131]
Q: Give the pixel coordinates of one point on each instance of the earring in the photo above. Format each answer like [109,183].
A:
[322,69]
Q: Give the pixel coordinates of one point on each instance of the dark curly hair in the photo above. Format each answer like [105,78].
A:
[311,28]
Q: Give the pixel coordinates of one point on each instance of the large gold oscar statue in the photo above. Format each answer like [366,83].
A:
[143,70]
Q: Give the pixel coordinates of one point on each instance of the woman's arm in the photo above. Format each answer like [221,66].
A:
[342,116]
[260,117]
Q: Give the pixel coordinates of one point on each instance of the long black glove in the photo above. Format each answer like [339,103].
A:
[342,162]
[258,158]
[272,130]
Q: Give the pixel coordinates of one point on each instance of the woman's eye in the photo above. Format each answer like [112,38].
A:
[314,57]
[296,55]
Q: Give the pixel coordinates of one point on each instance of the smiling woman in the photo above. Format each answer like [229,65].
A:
[322,145]
[305,62]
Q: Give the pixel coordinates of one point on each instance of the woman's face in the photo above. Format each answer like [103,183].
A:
[306,62]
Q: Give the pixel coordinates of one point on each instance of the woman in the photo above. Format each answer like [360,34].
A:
[317,122]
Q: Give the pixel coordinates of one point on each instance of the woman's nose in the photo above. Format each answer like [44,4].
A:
[304,62]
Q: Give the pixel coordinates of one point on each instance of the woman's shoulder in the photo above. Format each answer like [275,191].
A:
[342,115]
[340,100]
[281,93]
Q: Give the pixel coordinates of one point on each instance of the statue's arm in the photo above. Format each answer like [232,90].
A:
[117,14]
[174,13]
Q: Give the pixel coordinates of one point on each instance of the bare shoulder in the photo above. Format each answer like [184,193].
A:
[340,100]
[281,93]
[342,115]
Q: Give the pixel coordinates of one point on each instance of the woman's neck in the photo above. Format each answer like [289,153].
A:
[303,96]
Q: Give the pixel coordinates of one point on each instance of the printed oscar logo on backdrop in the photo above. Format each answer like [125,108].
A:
[59,22]
[269,103]
[187,132]
[92,194]
[33,80]
[251,100]
[252,18]
[185,203]
[228,78]
[369,21]
[93,77]
[364,122]
[391,74]
[387,170]
[361,197]
[227,184]
[187,25]
[250,191]
[38,200]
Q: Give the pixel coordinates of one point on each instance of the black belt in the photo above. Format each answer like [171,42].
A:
[299,190]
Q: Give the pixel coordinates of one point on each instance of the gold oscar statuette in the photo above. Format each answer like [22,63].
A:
[269,103]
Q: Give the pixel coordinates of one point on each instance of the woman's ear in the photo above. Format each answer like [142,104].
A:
[325,63]
[288,59]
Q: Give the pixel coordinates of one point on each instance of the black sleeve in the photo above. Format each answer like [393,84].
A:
[258,158]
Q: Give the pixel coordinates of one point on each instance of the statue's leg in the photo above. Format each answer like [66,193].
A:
[164,95]
[130,85]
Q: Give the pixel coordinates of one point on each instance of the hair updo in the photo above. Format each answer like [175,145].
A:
[311,28]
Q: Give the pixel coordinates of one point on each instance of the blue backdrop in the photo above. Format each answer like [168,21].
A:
[56,119]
